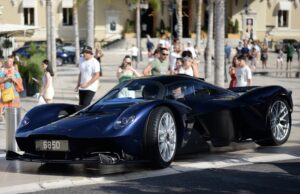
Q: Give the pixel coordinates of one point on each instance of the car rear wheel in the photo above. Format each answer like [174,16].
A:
[279,123]
[161,137]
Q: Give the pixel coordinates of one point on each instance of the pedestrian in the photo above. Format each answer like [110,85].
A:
[11,85]
[150,47]
[189,66]
[253,58]
[232,72]
[179,63]
[243,73]
[47,91]
[98,55]
[134,52]
[126,71]
[89,73]
[160,65]
[289,59]
[227,50]
[279,60]
[264,56]
[176,53]
[239,48]
[191,48]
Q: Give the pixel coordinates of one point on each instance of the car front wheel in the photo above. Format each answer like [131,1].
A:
[161,137]
[279,123]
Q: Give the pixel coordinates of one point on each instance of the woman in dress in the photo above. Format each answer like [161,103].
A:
[232,69]
[126,71]
[47,91]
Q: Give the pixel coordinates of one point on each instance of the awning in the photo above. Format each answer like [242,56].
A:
[28,3]
[11,29]
[284,5]
[67,3]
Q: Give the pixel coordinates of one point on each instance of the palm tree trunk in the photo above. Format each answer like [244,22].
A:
[76,31]
[48,28]
[138,30]
[219,43]
[198,28]
[179,19]
[208,51]
[51,41]
[90,23]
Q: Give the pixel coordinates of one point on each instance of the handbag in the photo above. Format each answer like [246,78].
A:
[8,94]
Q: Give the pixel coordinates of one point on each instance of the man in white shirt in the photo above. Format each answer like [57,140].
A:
[88,77]
[243,73]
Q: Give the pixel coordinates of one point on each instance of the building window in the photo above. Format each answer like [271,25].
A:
[283,16]
[29,16]
[67,16]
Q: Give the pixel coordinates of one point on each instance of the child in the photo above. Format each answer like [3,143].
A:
[279,60]
[178,64]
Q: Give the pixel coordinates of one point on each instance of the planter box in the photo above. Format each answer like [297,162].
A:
[129,35]
[233,36]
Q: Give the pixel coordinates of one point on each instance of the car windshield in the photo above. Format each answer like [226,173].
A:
[136,89]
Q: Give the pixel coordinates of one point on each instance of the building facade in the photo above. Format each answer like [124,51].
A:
[278,18]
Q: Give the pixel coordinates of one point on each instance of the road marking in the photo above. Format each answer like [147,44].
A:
[2,155]
[176,168]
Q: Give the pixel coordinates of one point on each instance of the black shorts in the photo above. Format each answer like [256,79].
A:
[289,58]
[134,58]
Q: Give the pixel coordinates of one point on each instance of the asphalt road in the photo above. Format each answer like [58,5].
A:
[271,177]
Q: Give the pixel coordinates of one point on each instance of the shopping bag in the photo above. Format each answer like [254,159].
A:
[8,94]
[41,100]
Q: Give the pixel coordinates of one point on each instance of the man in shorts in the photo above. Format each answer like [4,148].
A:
[289,59]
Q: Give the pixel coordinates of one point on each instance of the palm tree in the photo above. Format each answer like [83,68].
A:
[90,23]
[51,41]
[198,28]
[76,4]
[179,19]
[219,43]
[208,52]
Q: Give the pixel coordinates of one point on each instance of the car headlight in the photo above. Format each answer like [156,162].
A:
[123,122]
[64,55]
[24,122]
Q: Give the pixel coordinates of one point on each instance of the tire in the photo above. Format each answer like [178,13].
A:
[161,137]
[279,123]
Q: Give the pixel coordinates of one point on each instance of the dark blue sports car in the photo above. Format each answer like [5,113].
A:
[153,119]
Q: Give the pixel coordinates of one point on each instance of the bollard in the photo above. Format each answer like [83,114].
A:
[12,119]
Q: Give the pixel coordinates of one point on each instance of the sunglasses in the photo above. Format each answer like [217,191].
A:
[129,63]
[165,54]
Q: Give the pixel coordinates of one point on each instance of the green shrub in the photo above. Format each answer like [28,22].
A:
[31,68]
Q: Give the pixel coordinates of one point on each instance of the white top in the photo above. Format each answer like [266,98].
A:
[173,58]
[87,69]
[242,75]
[192,50]
[189,71]
[134,51]
[49,92]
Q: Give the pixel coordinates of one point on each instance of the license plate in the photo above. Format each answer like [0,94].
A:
[52,145]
